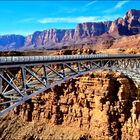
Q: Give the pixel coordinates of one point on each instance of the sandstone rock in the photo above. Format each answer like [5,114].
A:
[64,109]
[102,113]
[136,107]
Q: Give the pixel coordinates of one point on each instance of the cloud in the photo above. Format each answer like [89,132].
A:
[67,19]
[90,3]
[78,19]
[79,10]
[116,7]
[26,20]
[120,4]
[18,32]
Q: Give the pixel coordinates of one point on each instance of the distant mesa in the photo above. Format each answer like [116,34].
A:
[56,38]
[11,42]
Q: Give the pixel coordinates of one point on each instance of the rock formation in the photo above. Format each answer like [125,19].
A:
[133,19]
[129,25]
[84,32]
[99,105]
[49,36]
[11,42]
[91,29]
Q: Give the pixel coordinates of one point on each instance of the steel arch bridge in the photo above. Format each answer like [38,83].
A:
[22,77]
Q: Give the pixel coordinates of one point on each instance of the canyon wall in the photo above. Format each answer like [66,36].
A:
[99,105]
[11,42]
[129,25]
[84,32]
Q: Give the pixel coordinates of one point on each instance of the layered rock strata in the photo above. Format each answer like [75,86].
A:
[99,105]
[83,33]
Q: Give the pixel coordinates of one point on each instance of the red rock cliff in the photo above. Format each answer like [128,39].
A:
[99,105]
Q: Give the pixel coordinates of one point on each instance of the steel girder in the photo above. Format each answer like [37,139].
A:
[18,83]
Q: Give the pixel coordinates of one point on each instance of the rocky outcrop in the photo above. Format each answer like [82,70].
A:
[49,36]
[127,42]
[11,42]
[119,27]
[123,42]
[129,25]
[53,36]
[89,32]
[133,19]
[100,105]
[91,29]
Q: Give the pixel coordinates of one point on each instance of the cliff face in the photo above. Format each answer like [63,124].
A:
[129,25]
[91,29]
[10,42]
[55,38]
[100,105]
[133,19]
[49,36]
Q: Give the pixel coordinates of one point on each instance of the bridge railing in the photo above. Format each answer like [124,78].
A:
[29,59]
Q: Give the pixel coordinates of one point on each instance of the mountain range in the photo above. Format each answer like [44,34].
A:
[84,32]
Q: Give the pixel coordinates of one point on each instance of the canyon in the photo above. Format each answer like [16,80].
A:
[98,105]
[90,32]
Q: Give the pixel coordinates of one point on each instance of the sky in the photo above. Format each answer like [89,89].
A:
[26,17]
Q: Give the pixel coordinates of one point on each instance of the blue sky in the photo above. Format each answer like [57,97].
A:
[26,17]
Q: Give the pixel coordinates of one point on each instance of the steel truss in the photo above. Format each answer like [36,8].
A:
[18,83]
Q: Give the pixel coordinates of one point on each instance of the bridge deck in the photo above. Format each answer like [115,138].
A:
[11,60]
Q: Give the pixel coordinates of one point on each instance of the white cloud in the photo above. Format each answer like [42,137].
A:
[83,9]
[120,4]
[18,32]
[90,3]
[26,20]
[67,19]
[78,19]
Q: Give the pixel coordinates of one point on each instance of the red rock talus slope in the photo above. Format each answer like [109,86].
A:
[127,42]
[108,42]
[101,105]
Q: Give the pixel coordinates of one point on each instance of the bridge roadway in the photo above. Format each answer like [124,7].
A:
[13,60]
[22,77]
